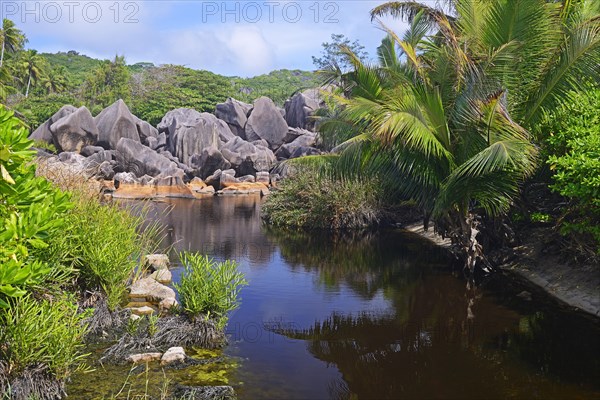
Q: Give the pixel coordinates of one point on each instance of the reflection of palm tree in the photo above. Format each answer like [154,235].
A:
[12,39]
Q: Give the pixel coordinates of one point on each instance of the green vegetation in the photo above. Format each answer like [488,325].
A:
[571,147]
[208,287]
[50,241]
[443,118]
[38,85]
[313,198]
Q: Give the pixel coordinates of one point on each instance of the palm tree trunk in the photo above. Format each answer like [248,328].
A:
[28,84]
[2,56]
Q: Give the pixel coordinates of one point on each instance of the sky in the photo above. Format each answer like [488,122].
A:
[243,38]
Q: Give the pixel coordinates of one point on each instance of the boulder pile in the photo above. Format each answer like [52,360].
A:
[189,154]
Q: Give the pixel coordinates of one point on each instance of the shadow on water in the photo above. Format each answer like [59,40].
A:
[378,315]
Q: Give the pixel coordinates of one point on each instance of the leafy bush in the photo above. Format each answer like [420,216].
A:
[572,146]
[31,212]
[48,332]
[313,199]
[209,287]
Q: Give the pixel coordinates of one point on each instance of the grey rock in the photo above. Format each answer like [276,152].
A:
[106,171]
[124,177]
[227,179]
[190,132]
[210,160]
[43,132]
[229,172]
[265,122]
[152,142]
[247,158]
[116,122]
[134,157]
[263,177]
[143,358]
[308,139]
[247,178]
[173,355]
[145,131]
[301,107]
[156,261]
[91,150]
[304,151]
[214,179]
[71,157]
[151,290]
[235,114]
[74,131]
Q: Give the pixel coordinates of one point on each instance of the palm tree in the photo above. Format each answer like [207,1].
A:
[12,39]
[34,66]
[443,118]
[55,80]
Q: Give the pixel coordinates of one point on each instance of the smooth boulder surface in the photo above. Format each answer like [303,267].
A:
[306,139]
[301,107]
[140,160]
[246,158]
[43,132]
[235,114]
[116,122]
[189,132]
[266,122]
[208,161]
[75,131]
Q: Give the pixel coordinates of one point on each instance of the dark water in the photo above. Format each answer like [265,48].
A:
[377,316]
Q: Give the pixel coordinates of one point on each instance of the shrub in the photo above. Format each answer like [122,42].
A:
[107,244]
[46,332]
[209,287]
[572,147]
[31,212]
[313,199]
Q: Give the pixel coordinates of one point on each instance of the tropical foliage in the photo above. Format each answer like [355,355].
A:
[444,116]
[209,288]
[572,151]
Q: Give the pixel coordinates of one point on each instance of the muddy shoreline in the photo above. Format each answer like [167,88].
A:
[574,286]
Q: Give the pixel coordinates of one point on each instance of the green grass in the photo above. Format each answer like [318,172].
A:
[313,199]
[209,288]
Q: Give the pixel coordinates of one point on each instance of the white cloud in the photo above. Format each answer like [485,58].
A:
[178,33]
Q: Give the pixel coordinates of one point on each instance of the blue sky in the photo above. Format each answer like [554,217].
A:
[244,38]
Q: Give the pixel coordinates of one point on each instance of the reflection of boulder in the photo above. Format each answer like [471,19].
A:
[74,131]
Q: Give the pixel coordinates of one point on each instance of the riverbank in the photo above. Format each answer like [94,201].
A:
[576,286]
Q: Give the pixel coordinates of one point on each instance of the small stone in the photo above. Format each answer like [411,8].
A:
[144,358]
[142,310]
[151,290]
[525,295]
[167,304]
[156,261]
[138,304]
[174,354]
[134,317]
[162,275]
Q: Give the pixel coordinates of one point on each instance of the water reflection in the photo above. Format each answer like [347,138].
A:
[379,316]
